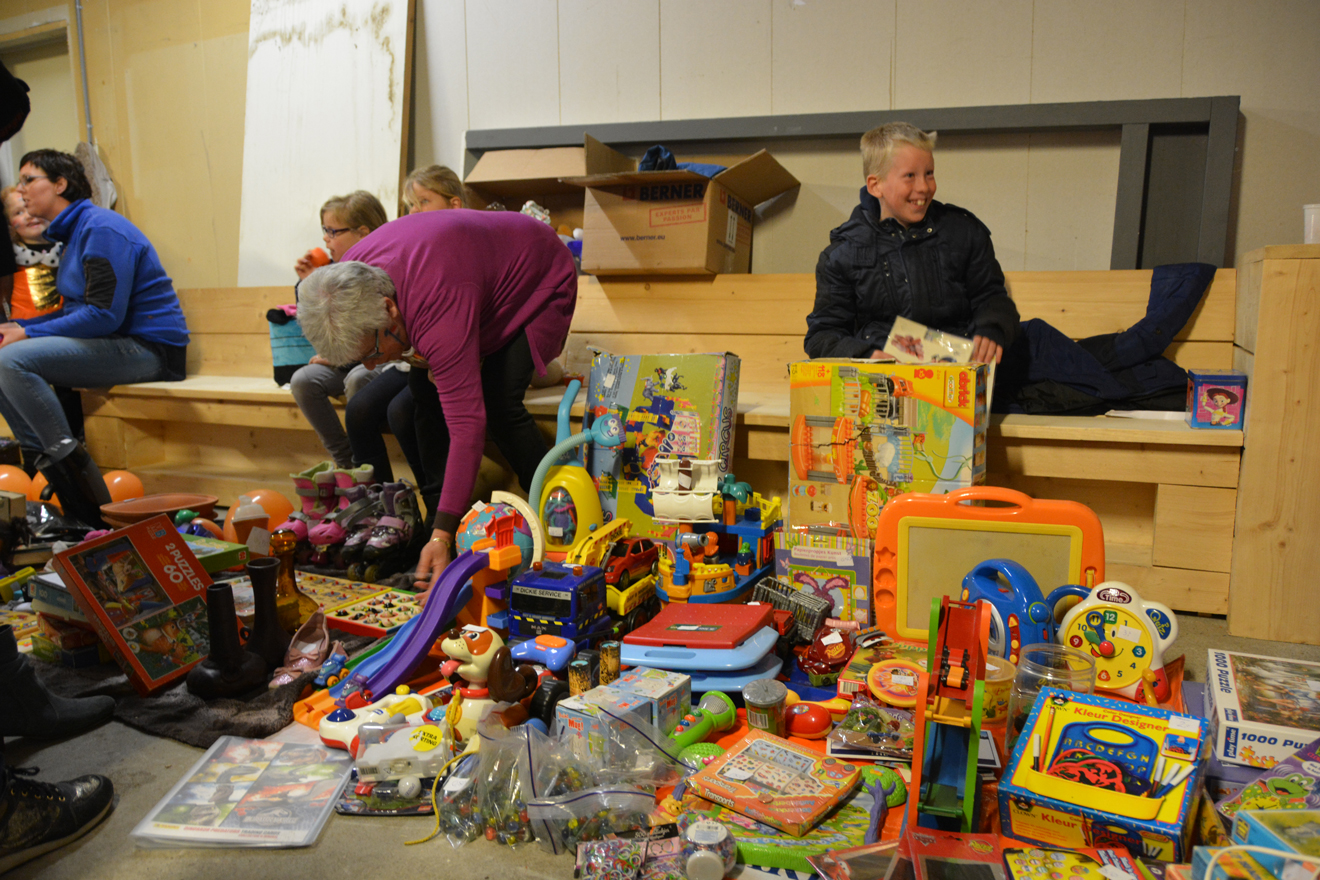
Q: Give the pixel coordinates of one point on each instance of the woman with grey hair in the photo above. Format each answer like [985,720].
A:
[476,302]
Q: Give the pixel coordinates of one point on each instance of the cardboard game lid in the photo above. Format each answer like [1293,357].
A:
[691,625]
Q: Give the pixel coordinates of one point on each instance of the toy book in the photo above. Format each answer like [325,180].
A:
[1086,863]
[1261,709]
[145,593]
[853,677]
[671,406]
[772,780]
[833,567]
[1291,784]
[249,793]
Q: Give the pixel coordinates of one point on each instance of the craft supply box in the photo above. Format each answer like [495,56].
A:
[1261,709]
[671,405]
[862,432]
[1040,808]
[669,693]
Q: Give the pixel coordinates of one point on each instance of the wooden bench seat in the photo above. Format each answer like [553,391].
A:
[1166,494]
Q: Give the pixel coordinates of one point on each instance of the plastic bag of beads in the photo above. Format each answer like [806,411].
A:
[637,859]
[504,765]
[561,823]
[457,812]
[880,730]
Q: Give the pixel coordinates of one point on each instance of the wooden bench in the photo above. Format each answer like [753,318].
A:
[1166,494]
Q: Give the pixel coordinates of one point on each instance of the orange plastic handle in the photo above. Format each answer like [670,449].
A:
[989,493]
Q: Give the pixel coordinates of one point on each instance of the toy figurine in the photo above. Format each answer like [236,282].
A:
[471,652]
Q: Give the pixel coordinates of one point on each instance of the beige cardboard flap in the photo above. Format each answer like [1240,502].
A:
[757,178]
[601,159]
[524,172]
[631,178]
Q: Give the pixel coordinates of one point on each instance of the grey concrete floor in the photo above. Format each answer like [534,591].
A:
[144,768]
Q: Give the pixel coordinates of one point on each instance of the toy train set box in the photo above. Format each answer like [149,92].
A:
[863,432]
[1261,709]
[671,405]
[1093,771]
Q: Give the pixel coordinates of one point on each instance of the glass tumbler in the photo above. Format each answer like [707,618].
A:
[1041,666]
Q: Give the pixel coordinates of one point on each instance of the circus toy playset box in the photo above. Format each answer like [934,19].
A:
[862,432]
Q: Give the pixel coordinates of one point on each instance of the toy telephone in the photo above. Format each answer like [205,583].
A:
[1019,613]
[1125,634]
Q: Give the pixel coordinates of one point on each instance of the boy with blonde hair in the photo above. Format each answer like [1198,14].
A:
[903,253]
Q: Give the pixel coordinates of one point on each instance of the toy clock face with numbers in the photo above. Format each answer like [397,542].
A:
[1126,636]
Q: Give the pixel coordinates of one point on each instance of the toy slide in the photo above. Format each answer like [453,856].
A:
[441,608]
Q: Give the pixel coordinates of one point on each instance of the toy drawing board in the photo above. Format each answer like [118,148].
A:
[926,544]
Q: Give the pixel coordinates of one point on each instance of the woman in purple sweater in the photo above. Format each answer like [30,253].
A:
[475,302]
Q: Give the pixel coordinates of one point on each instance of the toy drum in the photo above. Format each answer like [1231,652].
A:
[999,675]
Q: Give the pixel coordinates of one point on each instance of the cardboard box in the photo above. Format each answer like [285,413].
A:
[76,658]
[1231,866]
[1051,810]
[671,405]
[1216,399]
[832,566]
[215,554]
[862,432]
[582,722]
[511,177]
[51,597]
[66,635]
[1261,709]
[1222,781]
[673,222]
[669,693]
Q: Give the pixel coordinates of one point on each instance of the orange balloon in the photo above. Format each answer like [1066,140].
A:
[13,479]
[277,508]
[123,485]
[37,487]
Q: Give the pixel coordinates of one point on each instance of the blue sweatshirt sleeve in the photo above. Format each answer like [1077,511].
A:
[102,280]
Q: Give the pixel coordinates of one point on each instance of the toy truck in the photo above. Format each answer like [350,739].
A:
[553,598]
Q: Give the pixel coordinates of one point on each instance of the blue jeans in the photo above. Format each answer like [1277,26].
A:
[387,400]
[29,367]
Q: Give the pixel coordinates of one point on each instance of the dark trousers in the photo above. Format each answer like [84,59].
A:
[385,400]
[505,375]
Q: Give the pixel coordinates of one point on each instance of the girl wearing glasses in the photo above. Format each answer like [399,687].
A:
[345,220]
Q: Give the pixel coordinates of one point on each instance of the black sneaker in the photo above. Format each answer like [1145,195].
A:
[37,817]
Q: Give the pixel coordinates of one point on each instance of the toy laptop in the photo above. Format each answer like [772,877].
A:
[772,780]
[1091,771]
[723,647]
[926,544]
[1261,709]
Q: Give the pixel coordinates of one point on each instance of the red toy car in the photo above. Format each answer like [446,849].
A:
[629,560]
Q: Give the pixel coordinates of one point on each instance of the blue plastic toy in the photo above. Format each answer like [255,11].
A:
[1020,614]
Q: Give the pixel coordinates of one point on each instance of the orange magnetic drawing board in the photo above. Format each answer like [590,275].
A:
[926,544]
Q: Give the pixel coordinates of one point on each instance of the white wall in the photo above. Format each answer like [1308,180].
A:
[1049,199]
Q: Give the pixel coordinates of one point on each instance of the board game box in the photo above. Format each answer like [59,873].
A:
[772,780]
[145,593]
[1261,709]
[1086,863]
[863,432]
[671,405]
[1291,784]
[1295,831]
[376,615]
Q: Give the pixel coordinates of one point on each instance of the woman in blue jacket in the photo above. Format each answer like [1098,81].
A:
[121,323]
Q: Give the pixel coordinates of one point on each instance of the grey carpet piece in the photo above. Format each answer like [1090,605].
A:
[179,715]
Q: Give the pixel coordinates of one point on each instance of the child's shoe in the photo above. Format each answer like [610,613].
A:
[307,650]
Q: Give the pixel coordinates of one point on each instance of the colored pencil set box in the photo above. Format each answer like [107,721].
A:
[1089,771]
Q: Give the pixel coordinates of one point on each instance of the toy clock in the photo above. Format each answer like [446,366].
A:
[1125,634]
[1019,613]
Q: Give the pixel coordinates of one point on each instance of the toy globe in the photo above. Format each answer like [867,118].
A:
[276,506]
[13,479]
[123,485]
[475,523]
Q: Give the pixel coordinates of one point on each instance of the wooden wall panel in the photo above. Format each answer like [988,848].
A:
[298,148]
[1194,527]
[608,57]
[817,47]
[714,58]
[1083,51]
[983,55]
[513,64]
